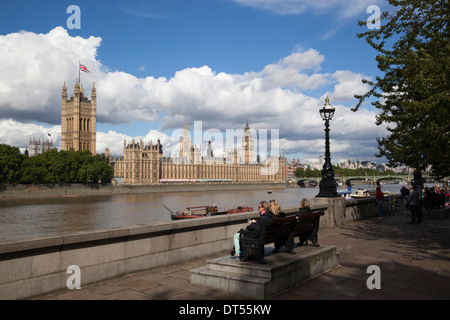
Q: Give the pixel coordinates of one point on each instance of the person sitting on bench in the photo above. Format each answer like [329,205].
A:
[305,206]
[255,225]
[275,209]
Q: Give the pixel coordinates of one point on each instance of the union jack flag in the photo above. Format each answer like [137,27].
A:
[83,68]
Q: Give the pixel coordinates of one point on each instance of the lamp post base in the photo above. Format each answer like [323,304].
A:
[327,189]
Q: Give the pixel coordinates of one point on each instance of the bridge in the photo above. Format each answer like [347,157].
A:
[373,180]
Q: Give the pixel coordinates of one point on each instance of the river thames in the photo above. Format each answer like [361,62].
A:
[20,219]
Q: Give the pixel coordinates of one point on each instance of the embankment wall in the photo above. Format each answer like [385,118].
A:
[23,191]
[32,267]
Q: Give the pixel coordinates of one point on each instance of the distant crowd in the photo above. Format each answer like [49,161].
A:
[433,197]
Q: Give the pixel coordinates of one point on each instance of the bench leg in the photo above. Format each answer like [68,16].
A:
[289,244]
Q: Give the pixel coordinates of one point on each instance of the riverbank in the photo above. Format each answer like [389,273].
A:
[22,191]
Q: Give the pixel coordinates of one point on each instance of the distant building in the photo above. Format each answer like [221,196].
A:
[47,145]
[145,164]
[347,164]
[35,148]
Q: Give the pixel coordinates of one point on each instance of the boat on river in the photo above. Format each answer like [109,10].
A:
[363,194]
[205,211]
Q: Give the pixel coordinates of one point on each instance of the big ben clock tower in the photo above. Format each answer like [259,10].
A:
[247,145]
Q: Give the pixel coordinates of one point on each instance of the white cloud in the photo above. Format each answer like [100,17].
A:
[35,66]
[18,134]
[336,9]
[348,84]
[114,141]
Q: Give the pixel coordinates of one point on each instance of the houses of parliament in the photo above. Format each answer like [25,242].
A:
[145,164]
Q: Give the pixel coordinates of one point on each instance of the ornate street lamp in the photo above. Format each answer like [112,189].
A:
[327,186]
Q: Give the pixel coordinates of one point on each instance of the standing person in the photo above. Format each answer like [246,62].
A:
[426,197]
[255,225]
[405,193]
[415,206]
[433,198]
[379,197]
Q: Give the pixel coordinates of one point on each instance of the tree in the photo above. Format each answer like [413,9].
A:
[413,93]
[10,163]
[53,167]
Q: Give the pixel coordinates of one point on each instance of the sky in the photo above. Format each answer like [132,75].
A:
[213,63]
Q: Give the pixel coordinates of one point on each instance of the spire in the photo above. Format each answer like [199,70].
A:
[77,86]
[93,91]
[185,123]
[247,127]
[64,90]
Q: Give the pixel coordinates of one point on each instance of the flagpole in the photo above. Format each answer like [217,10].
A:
[79,74]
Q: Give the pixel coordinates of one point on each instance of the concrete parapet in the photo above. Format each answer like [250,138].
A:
[35,266]
[341,211]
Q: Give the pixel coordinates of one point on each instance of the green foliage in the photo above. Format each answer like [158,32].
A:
[413,95]
[10,163]
[52,167]
[307,173]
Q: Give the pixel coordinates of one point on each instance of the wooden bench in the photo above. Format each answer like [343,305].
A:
[280,231]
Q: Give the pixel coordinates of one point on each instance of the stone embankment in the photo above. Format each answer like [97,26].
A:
[22,191]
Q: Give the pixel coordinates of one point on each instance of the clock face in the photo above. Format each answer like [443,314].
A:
[245,143]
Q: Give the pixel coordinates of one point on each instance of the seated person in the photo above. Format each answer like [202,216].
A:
[275,209]
[255,225]
[305,206]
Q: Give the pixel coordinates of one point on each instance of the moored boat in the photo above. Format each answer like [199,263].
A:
[206,211]
[241,208]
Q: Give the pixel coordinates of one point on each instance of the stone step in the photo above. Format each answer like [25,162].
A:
[259,281]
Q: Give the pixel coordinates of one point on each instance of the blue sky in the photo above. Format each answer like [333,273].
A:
[221,62]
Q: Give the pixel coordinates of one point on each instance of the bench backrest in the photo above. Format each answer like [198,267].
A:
[301,221]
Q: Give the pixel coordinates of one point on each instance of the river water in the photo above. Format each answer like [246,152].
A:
[30,218]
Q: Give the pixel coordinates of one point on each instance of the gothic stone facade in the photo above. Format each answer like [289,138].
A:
[78,120]
[145,164]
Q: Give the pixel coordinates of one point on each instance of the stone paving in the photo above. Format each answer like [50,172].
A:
[414,262]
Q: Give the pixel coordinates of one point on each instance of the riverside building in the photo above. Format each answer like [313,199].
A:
[145,164]
[78,119]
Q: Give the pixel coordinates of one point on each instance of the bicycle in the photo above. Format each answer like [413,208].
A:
[394,206]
